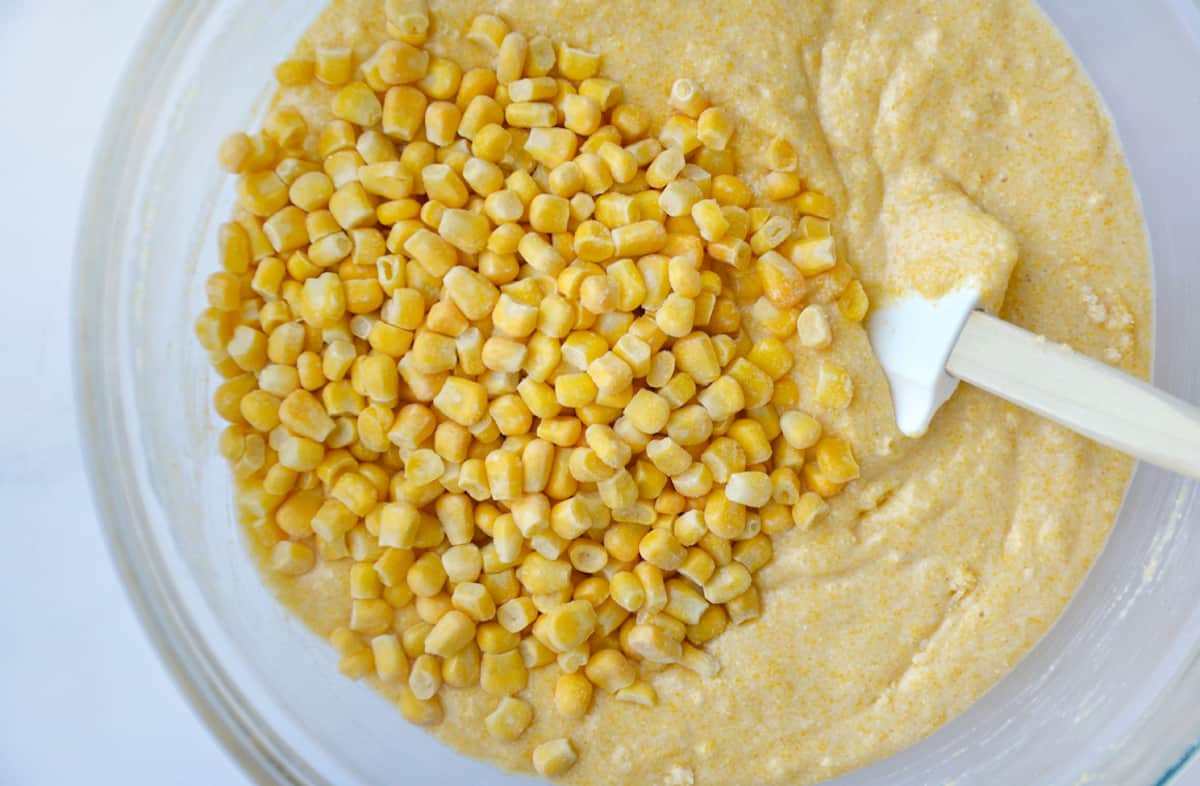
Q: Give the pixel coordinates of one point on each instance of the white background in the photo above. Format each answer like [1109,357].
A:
[83,698]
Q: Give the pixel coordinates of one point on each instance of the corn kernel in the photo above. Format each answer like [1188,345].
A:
[503,674]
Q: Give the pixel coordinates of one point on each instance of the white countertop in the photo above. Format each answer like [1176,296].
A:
[83,697]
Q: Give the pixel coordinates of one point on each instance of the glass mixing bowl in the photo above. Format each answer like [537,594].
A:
[1108,697]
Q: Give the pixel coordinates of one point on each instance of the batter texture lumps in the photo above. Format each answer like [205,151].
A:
[934,125]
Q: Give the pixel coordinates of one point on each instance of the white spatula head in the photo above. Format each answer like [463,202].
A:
[913,338]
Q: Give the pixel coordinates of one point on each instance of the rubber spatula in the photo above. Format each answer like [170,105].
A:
[927,346]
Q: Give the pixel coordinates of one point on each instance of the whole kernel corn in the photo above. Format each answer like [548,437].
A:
[554,757]
[590,414]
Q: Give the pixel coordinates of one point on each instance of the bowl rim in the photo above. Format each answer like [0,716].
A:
[240,730]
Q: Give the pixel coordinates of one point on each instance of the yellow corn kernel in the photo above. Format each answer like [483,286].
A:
[687,97]
[510,58]
[334,66]
[291,558]
[835,458]
[779,186]
[509,720]
[403,112]
[503,475]
[488,31]
[853,303]
[835,388]
[425,676]
[475,601]
[772,356]
[503,674]
[626,590]
[710,220]
[357,103]
[553,758]
[801,430]
[294,72]
[812,203]
[808,509]
[444,185]
[714,128]
[744,607]
[581,114]
[442,80]
[723,398]
[540,255]
[262,193]
[639,239]
[450,634]
[661,548]
[618,491]
[653,644]
[753,552]
[549,213]
[466,231]
[577,64]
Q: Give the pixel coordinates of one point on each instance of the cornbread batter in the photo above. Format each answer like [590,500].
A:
[957,138]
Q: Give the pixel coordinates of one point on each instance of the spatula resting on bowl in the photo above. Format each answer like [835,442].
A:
[927,346]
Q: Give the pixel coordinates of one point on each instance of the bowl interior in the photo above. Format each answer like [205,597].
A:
[1103,695]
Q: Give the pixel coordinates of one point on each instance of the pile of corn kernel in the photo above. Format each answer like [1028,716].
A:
[482,336]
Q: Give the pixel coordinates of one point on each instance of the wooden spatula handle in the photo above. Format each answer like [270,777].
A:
[1082,394]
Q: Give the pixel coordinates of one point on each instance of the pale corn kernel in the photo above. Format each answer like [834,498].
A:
[442,80]
[680,197]
[461,670]
[753,552]
[808,509]
[540,255]
[722,399]
[488,31]
[587,556]
[553,758]
[687,97]
[444,185]
[745,607]
[581,114]
[752,489]
[728,582]
[291,558]
[425,676]
[813,257]
[513,317]
[548,146]
[653,644]
[473,599]
[509,720]
[462,400]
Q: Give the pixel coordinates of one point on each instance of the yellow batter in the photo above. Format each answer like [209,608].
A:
[957,137]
